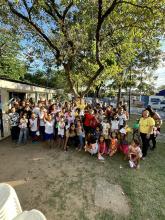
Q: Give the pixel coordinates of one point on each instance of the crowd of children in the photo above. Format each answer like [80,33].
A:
[100,130]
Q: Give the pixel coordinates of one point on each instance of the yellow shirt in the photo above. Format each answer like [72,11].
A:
[145,125]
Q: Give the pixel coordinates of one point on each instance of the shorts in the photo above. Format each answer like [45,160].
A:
[48,137]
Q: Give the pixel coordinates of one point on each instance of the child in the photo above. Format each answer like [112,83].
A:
[23,129]
[135,154]
[106,131]
[114,124]
[101,147]
[97,133]
[123,145]
[61,131]
[69,119]
[41,115]
[80,134]
[114,144]
[136,134]
[49,130]
[91,145]
[34,126]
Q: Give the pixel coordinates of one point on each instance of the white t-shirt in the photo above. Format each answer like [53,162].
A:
[61,128]
[106,127]
[49,127]
[41,115]
[122,118]
[36,110]
[33,124]
[23,123]
[114,125]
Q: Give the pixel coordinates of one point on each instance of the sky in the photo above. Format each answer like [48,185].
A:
[161,70]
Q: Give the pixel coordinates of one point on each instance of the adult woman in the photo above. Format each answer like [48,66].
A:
[71,137]
[158,123]
[14,121]
[146,125]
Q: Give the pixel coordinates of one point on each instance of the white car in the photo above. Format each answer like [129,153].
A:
[158,105]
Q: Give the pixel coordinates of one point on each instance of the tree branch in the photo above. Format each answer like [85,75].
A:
[66,10]
[50,12]
[55,9]
[138,6]
[38,30]
[109,10]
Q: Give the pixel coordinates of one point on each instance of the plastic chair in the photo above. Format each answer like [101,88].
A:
[9,203]
[10,208]
[30,215]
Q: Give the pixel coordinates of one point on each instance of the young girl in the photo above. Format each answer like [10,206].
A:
[114,124]
[101,147]
[71,137]
[49,130]
[57,119]
[61,131]
[80,134]
[23,130]
[135,154]
[34,126]
[106,131]
[113,144]
[41,115]
[123,145]
[91,145]
[97,133]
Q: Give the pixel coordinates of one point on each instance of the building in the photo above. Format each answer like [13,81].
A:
[9,89]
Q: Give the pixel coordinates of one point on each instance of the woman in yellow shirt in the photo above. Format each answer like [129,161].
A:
[146,125]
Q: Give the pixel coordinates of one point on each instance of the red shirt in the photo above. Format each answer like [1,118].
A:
[88,118]
[102,148]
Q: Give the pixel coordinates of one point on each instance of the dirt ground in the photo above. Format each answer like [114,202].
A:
[61,185]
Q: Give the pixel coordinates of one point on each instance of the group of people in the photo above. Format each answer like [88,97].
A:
[99,130]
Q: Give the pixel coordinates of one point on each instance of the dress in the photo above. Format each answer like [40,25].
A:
[113,146]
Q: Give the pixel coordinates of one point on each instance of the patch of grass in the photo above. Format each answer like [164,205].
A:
[82,215]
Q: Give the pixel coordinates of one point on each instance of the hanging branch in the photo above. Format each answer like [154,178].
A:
[135,5]
[37,29]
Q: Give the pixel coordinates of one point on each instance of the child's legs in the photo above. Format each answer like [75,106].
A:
[107,142]
[21,133]
[153,139]
[81,142]
[33,136]
[42,132]
[14,133]
[112,152]
[25,135]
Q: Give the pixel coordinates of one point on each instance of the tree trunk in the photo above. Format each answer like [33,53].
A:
[71,83]
[119,95]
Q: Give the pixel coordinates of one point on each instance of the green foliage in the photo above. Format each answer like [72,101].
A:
[10,64]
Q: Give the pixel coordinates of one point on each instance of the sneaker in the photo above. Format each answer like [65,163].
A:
[131,164]
[100,157]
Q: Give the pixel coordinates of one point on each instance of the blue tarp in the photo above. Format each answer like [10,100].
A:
[162,92]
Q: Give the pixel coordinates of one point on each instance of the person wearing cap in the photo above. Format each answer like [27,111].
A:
[146,125]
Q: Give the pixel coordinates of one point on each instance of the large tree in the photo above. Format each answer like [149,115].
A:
[83,35]
[11,64]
